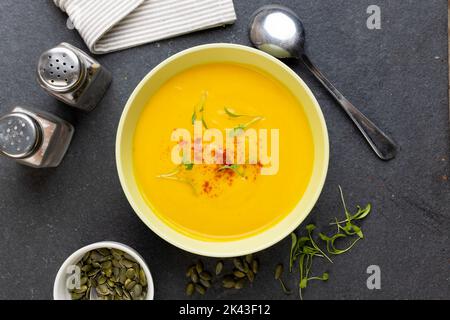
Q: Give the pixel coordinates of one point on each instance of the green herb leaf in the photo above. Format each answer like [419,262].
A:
[305,248]
[188,166]
[234,167]
[293,246]
[310,228]
[331,248]
[200,108]
[248,124]
[231,113]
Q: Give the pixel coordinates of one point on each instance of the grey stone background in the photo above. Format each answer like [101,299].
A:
[397,76]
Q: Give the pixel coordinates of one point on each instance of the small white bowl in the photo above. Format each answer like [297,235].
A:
[60,291]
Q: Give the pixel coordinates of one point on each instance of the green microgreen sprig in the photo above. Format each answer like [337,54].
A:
[305,248]
[234,167]
[200,109]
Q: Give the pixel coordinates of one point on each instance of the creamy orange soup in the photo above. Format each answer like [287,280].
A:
[217,202]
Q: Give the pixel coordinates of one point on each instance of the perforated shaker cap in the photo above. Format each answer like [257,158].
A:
[60,69]
[19,135]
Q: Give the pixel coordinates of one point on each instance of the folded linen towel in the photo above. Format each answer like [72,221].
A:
[111,25]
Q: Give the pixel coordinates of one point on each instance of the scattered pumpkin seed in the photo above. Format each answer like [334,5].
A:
[228,282]
[205,283]
[194,276]
[219,267]
[190,289]
[250,275]
[278,271]
[238,274]
[205,275]
[238,264]
[239,284]
[255,266]
[199,266]
[200,289]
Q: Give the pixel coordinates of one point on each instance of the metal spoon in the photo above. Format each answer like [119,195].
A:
[278,31]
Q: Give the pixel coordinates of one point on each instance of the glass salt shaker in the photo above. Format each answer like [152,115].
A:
[34,138]
[73,77]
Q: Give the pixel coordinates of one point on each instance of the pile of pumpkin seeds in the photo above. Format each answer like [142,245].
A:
[113,274]
[244,272]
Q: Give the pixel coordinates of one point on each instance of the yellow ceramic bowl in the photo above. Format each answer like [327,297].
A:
[208,54]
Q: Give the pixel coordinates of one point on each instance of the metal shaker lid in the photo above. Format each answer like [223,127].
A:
[60,69]
[20,135]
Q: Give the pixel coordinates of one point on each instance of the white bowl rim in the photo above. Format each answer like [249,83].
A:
[202,251]
[102,244]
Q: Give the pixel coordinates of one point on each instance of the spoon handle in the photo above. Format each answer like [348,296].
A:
[383,146]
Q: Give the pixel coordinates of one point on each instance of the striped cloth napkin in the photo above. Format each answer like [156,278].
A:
[111,25]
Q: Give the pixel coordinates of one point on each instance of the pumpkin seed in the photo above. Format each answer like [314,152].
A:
[131,273]
[136,291]
[228,282]
[250,275]
[116,272]
[86,268]
[104,251]
[238,264]
[116,251]
[119,291]
[205,275]
[142,278]
[106,264]
[83,280]
[199,266]
[101,280]
[205,283]
[126,295]
[86,256]
[108,272]
[190,289]
[76,296]
[126,263]
[255,266]
[111,283]
[189,271]
[102,290]
[278,271]
[81,290]
[246,266]
[128,257]
[219,267]
[130,285]
[194,276]
[95,256]
[200,289]
[239,284]
[93,272]
[249,258]
[122,275]
[239,274]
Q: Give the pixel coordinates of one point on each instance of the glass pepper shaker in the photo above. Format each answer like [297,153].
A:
[73,77]
[34,138]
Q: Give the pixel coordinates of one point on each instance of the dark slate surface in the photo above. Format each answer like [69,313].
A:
[397,76]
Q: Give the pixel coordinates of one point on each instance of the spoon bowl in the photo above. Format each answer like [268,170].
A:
[278,31]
